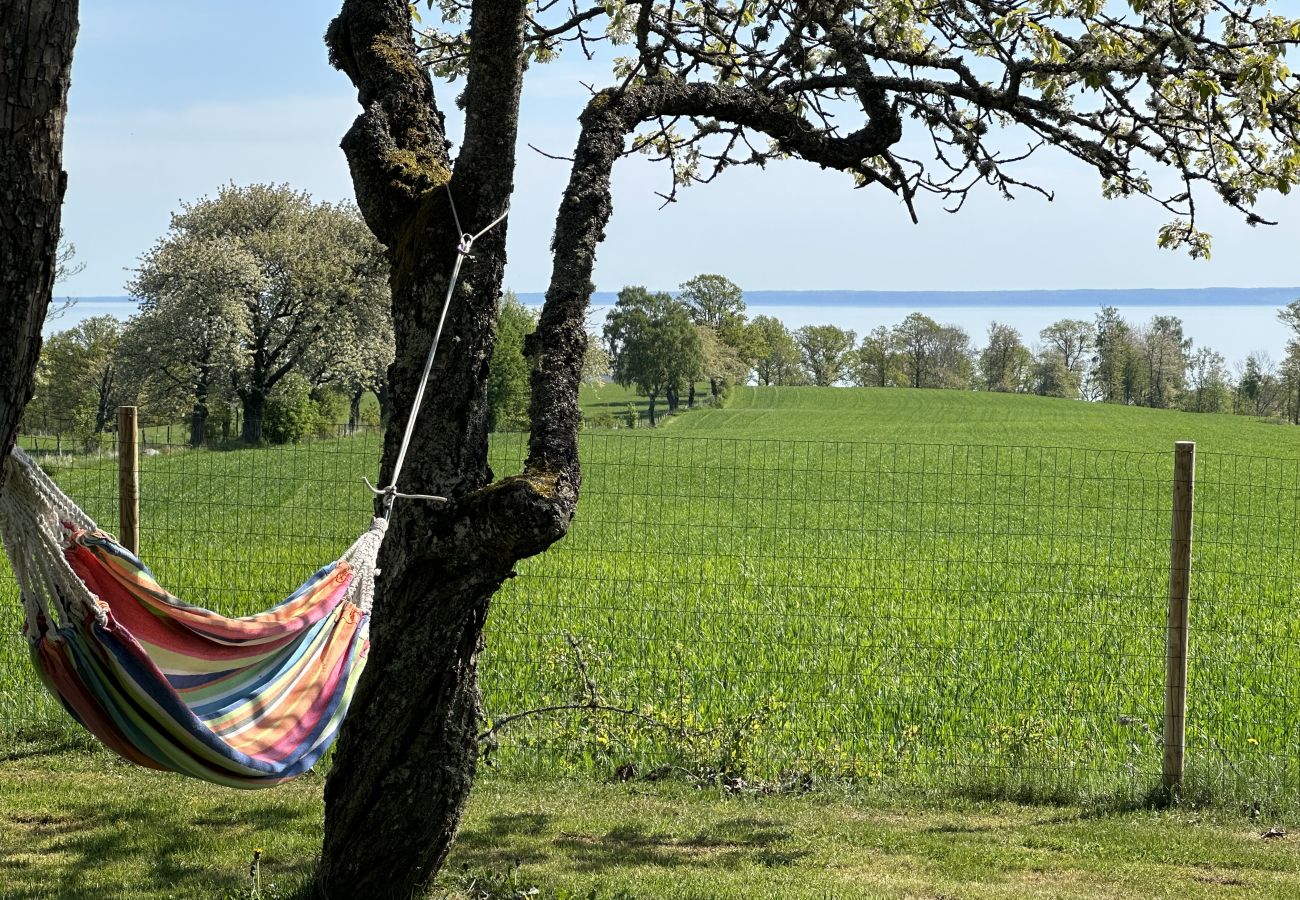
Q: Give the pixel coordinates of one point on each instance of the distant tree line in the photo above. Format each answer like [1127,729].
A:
[265,316]
[663,344]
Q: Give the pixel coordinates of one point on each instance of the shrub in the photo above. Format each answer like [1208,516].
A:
[291,414]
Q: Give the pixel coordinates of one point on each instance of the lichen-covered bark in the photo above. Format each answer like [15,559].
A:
[36,41]
[407,753]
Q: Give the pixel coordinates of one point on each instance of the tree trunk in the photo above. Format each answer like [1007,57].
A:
[385,403]
[354,410]
[198,424]
[405,757]
[36,41]
[105,408]
[406,754]
[254,409]
[690,396]
[652,410]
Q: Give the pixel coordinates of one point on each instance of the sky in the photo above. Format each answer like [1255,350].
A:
[171,100]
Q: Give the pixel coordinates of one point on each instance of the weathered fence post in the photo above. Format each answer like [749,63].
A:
[128,478]
[1180,578]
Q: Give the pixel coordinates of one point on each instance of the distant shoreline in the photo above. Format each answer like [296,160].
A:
[1083,298]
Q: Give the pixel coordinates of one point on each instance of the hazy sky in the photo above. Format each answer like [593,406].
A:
[171,100]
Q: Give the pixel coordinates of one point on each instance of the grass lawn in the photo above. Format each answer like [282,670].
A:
[76,823]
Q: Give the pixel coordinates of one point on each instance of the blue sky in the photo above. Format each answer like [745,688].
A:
[171,100]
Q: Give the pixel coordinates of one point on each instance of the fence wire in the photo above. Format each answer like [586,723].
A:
[783,612]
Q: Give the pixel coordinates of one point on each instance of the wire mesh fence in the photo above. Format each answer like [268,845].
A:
[780,612]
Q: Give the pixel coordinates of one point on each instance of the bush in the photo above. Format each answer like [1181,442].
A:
[602,419]
[291,414]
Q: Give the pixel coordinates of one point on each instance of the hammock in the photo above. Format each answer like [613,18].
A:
[246,702]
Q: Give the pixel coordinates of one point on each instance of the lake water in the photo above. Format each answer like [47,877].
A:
[1235,322]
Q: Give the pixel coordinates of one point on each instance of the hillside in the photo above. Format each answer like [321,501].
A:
[906,415]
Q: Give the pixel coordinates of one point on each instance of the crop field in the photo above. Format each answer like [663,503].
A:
[881,587]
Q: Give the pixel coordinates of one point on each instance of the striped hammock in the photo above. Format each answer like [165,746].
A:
[247,702]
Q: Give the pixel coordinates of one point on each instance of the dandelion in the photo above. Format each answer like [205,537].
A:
[255,871]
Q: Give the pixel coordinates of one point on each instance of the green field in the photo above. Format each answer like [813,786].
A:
[934,590]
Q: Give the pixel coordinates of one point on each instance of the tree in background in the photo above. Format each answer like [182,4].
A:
[1051,376]
[596,365]
[877,362]
[1066,346]
[776,356]
[826,351]
[1207,382]
[917,340]
[192,331]
[718,304]
[363,368]
[722,363]
[65,267]
[1118,372]
[308,286]
[1289,371]
[1289,384]
[509,370]
[954,367]
[653,344]
[79,380]
[1005,362]
[1259,391]
[715,302]
[1164,352]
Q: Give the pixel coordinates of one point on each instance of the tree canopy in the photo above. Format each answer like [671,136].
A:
[254,284]
[825,350]
[79,379]
[654,345]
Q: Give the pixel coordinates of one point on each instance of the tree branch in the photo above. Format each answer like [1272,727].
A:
[397,148]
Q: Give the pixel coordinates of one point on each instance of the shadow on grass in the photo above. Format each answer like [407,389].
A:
[532,839]
[39,749]
[105,846]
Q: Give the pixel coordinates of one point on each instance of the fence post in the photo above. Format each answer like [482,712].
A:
[1180,578]
[128,478]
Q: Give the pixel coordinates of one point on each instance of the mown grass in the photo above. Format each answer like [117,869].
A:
[77,824]
[925,590]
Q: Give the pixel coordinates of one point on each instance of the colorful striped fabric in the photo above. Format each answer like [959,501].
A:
[247,702]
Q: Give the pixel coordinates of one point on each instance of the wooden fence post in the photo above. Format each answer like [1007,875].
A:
[128,478]
[1180,578]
